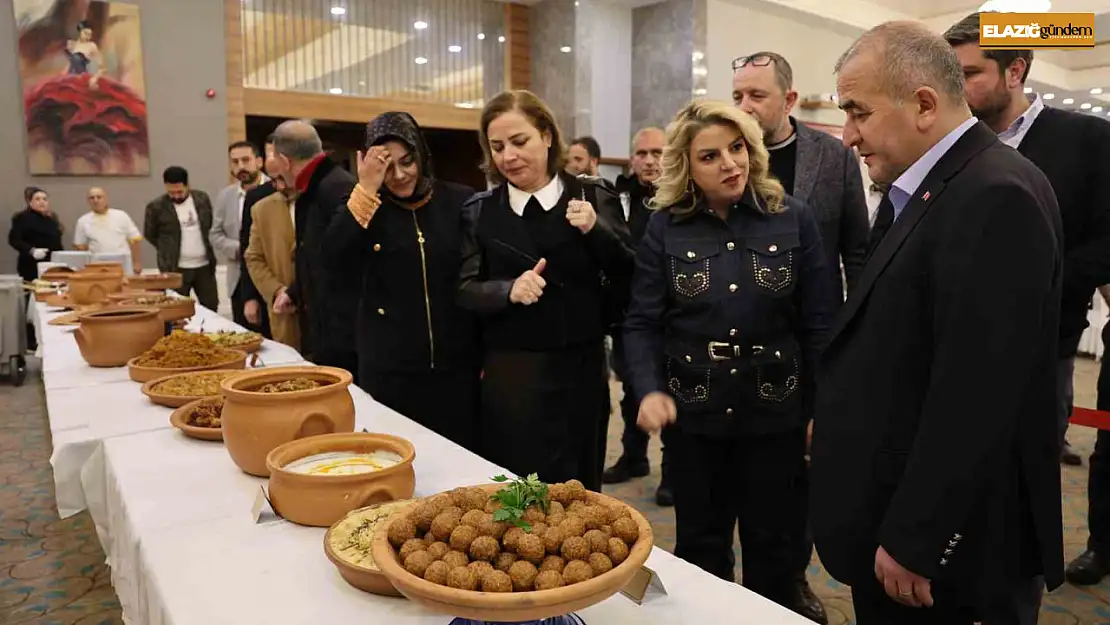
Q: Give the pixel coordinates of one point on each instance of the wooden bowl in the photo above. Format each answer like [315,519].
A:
[179,418]
[140,373]
[159,282]
[149,389]
[515,607]
[321,500]
[255,423]
[113,336]
[361,577]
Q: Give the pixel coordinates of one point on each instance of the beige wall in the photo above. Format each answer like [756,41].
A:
[183,46]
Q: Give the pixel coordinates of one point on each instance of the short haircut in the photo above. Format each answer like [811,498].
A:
[244,144]
[592,147]
[643,131]
[911,57]
[175,174]
[537,113]
[297,140]
[270,138]
[967,31]
[784,74]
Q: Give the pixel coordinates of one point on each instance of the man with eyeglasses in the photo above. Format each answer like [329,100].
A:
[816,168]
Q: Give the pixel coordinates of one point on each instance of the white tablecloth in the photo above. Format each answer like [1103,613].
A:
[174,517]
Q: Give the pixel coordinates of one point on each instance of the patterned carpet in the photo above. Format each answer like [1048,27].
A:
[52,571]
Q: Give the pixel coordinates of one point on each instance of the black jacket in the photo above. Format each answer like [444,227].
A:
[408,319]
[247,290]
[162,229]
[729,317]
[637,196]
[1073,151]
[32,230]
[935,433]
[326,293]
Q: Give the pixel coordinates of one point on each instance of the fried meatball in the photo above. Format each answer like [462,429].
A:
[556,519]
[573,526]
[607,530]
[578,490]
[462,537]
[454,511]
[443,525]
[481,568]
[422,515]
[619,512]
[618,551]
[504,560]
[462,578]
[577,571]
[475,499]
[474,518]
[576,548]
[626,530]
[547,580]
[553,563]
[560,493]
[417,563]
[538,529]
[411,546]
[401,531]
[600,563]
[554,507]
[497,581]
[485,548]
[456,559]
[553,539]
[429,537]
[436,572]
[438,549]
[512,535]
[523,574]
[492,506]
[458,497]
[440,503]
[533,514]
[595,517]
[489,527]
[577,507]
[599,542]
[531,548]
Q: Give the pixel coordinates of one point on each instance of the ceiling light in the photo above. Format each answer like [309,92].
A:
[501,39]
[454,48]
[1028,90]
[1085,105]
[420,25]
[362,83]
[481,36]
[1068,101]
[335,91]
[464,105]
[338,11]
[1096,91]
[420,60]
[1097,109]
[564,49]
[700,91]
[1048,96]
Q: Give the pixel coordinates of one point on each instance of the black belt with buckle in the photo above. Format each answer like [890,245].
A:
[719,351]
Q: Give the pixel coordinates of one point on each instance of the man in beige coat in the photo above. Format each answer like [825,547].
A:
[269,259]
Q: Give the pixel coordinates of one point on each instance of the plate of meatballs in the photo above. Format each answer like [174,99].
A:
[513,551]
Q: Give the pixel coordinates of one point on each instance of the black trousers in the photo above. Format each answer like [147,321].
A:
[634,441]
[202,282]
[1098,485]
[343,359]
[238,314]
[756,481]
[873,607]
[445,402]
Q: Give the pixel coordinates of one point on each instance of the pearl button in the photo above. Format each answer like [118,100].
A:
[732,288]
[773,248]
[381,311]
[691,255]
[377,247]
[729,412]
[732,332]
[689,359]
[778,354]
[731,245]
[733,372]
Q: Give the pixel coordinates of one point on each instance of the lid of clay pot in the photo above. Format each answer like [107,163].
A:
[110,315]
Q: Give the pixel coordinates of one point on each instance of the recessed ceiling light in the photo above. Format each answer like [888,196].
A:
[1049,96]
[464,105]
[1068,101]
[338,11]
[1097,109]
[700,91]
[454,48]
[501,39]
[420,25]
[1085,105]
[1096,91]
[481,36]
[420,60]
[564,49]
[335,91]
[1028,90]
[362,83]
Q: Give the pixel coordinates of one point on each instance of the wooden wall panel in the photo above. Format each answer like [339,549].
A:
[302,105]
[233,41]
[518,47]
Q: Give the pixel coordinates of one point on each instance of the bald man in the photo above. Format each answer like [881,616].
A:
[105,230]
[325,297]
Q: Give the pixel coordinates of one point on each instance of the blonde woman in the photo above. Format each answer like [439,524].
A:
[730,306]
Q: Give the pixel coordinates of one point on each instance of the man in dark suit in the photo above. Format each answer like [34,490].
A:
[935,407]
[253,304]
[812,165]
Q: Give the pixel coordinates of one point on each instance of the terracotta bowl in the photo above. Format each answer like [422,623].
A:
[93,287]
[515,607]
[160,282]
[103,268]
[111,337]
[176,309]
[251,347]
[321,500]
[361,577]
[179,418]
[140,373]
[150,389]
[255,423]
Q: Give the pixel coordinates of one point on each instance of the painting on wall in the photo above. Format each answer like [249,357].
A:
[84,92]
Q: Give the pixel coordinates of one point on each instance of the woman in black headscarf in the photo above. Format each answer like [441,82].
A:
[417,351]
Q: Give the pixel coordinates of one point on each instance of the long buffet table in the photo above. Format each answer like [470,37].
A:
[175,514]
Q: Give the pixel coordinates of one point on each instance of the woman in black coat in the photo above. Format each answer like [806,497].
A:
[417,350]
[35,233]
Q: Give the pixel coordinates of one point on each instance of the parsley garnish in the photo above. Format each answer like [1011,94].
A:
[517,496]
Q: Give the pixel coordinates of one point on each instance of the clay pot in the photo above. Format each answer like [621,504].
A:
[321,500]
[93,288]
[109,338]
[169,311]
[160,281]
[103,268]
[255,423]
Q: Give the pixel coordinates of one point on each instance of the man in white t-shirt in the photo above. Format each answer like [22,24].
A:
[106,230]
[177,225]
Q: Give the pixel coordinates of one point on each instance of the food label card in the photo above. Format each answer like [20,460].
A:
[644,586]
[263,511]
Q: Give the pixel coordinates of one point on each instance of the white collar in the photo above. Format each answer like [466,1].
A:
[548,196]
